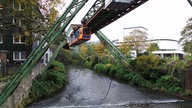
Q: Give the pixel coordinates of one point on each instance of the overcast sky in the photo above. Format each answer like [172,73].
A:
[163,18]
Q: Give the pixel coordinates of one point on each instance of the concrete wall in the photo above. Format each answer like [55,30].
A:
[22,90]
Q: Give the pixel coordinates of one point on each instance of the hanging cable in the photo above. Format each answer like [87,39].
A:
[75,75]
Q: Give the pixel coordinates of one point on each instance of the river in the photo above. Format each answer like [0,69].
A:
[87,89]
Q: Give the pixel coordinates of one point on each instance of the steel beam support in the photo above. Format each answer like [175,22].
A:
[119,57]
[92,11]
[55,53]
[190,2]
[52,35]
[76,50]
[61,42]
[92,50]
[100,15]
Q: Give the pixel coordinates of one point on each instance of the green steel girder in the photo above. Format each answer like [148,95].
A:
[121,59]
[55,53]
[92,50]
[97,19]
[53,34]
[61,43]
[190,2]
[76,50]
[93,11]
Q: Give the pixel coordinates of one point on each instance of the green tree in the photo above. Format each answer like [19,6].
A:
[125,49]
[101,50]
[84,51]
[137,39]
[186,38]
[153,47]
[149,66]
[31,17]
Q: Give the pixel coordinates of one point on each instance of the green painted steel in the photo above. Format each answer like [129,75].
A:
[121,59]
[93,51]
[93,10]
[76,50]
[55,53]
[190,2]
[100,15]
[104,18]
[53,34]
[62,42]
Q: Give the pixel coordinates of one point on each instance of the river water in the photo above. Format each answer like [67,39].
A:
[86,89]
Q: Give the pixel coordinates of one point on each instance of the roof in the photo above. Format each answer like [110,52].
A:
[168,52]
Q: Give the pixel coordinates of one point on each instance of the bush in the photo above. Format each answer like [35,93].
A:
[149,66]
[49,82]
[88,64]
[100,68]
[113,70]
[170,83]
[58,66]
[107,67]
[120,73]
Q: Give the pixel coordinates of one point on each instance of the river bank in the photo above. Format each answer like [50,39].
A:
[87,88]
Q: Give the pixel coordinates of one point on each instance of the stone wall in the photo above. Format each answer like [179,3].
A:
[22,91]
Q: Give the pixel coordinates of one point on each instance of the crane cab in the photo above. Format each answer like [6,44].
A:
[79,36]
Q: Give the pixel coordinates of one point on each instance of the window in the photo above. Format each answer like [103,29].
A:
[1,14]
[15,55]
[1,38]
[17,21]
[1,24]
[86,31]
[1,7]
[23,55]
[18,6]
[21,6]
[18,56]
[18,39]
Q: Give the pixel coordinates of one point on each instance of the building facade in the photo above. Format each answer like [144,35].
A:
[13,47]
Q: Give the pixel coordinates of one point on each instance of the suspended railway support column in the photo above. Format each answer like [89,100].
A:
[53,34]
[104,12]
[92,50]
[119,57]
[190,2]
[61,43]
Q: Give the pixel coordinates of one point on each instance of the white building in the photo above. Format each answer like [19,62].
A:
[174,54]
[169,48]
